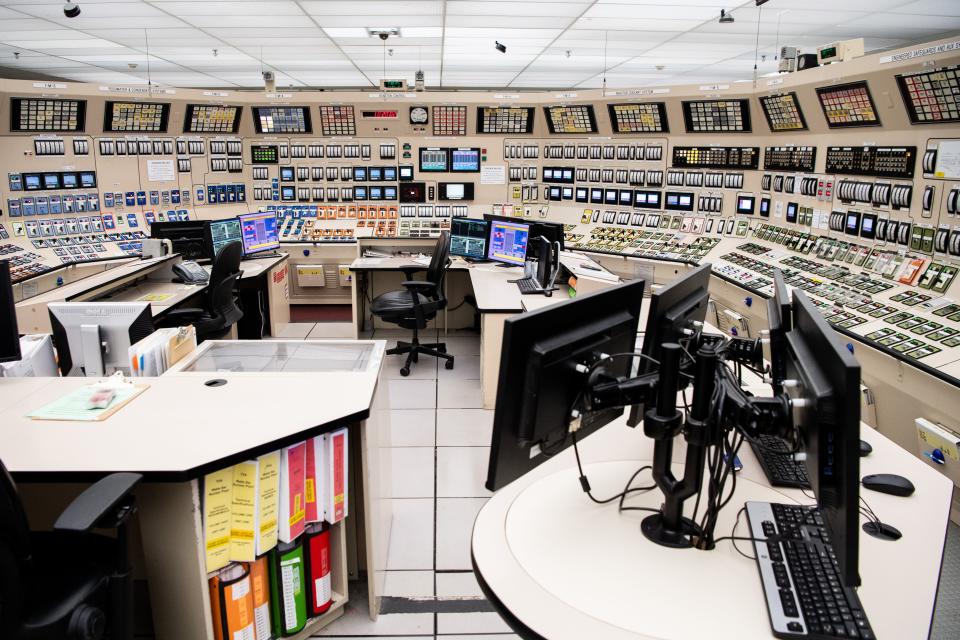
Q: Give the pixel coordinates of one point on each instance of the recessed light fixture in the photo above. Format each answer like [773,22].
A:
[725,18]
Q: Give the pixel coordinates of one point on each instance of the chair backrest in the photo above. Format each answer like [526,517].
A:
[437,270]
[14,528]
[223,281]
[14,554]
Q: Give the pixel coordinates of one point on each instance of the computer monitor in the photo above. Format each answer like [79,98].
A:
[468,238]
[188,237]
[94,338]
[9,334]
[779,321]
[508,242]
[538,381]
[259,232]
[552,231]
[221,233]
[674,310]
[828,422]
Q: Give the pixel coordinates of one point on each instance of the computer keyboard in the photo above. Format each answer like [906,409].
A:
[778,464]
[529,285]
[801,577]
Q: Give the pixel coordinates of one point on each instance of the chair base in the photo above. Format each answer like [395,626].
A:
[415,348]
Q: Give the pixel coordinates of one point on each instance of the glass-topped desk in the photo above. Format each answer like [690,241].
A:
[283,356]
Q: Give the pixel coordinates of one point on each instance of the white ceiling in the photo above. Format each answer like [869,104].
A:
[323,43]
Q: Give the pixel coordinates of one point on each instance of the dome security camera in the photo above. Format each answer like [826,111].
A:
[383,35]
[71,9]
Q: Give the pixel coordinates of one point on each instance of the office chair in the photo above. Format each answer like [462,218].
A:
[416,305]
[221,310]
[69,583]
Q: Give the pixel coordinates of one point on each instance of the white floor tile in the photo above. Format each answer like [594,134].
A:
[411,472]
[458,585]
[461,346]
[409,428]
[459,394]
[411,535]
[410,394]
[461,472]
[485,622]
[356,622]
[409,584]
[294,330]
[425,369]
[464,427]
[455,518]
[332,330]
[465,367]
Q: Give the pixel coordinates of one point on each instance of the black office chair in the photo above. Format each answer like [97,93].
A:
[221,310]
[416,305]
[69,583]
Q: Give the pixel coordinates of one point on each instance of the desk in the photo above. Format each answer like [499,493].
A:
[263,291]
[225,425]
[497,298]
[559,566]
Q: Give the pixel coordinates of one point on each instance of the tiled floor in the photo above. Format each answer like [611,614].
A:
[440,443]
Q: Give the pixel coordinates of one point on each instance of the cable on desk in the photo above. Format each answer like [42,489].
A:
[585,483]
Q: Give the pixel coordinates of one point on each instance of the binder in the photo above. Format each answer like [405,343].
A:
[231,603]
[293,462]
[162,349]
[217,491]
[260,586]
[317,545]
[243,511]
[288,594]
[310,494]
[268,502]
[336,451]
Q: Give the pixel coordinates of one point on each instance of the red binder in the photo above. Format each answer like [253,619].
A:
[317,547]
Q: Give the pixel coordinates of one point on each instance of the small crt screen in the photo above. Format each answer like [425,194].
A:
[465,159]
[745,205]
[70,181]
[853,223]
[791,212]
[51,181]
[867,225]
[88,179]
[468,238]
[508,242]
[390,174]
[259,232]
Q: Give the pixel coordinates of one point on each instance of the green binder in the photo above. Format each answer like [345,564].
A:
[288,589]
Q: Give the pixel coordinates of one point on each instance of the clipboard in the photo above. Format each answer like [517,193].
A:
[72,406]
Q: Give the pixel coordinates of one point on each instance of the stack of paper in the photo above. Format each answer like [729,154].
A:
[161,350]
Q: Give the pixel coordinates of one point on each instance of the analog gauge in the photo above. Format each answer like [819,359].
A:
[418,115]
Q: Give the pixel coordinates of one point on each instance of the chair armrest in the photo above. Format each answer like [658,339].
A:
[183,313]
[410,269]
[97,506]
[419,285]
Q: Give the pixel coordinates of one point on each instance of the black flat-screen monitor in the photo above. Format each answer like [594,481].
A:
[259,232]
[779,321]
[468,238]
[9,334]
[539,383]
[508,242]
[465,159]
[827,419]
[221,233]
[188,237]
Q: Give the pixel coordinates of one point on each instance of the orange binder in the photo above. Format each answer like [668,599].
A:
[260,585]
[231,603]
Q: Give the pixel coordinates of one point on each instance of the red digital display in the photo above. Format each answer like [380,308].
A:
[380,114]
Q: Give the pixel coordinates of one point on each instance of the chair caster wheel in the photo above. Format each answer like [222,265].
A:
[449,364]
[405,371]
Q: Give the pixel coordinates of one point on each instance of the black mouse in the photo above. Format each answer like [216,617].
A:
[888,483]
[865,448]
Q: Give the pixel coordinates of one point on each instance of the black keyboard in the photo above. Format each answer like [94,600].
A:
[778,464]
[529,285]
[801,576]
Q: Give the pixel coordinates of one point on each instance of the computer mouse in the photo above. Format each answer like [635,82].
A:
[888,483]
[865,448]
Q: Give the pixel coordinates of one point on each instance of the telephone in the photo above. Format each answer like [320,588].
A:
[190,272]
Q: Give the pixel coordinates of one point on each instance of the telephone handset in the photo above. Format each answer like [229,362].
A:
[190,272]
